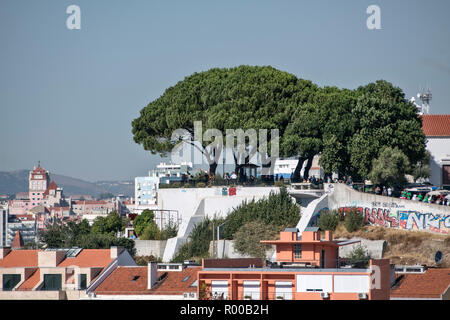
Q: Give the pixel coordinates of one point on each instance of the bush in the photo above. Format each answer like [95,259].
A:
[279,184]
[176,185]
[354,220]
[247,238]
[200,185]
[359,257]
[278,210]
[329,220]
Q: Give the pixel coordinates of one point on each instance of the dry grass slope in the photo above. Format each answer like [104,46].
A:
[404,247]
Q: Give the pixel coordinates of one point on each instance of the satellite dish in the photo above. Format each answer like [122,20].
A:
[438,257]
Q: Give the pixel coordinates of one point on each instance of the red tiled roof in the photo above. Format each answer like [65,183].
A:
[89,258]
[90,202]
[121,282]
[17,242]
[32,281]
[436,125]
[431,284]
[38,170]
[52,186]
[20,258]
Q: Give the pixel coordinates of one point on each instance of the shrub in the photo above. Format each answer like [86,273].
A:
[359,257]
[176,185]
[354,220]
[247,238]
[329,220]
[200,185]
[277,209]
[279,184]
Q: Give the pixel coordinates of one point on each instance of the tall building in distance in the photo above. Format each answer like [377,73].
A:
[39,180]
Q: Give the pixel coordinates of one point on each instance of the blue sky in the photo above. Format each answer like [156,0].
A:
[68,97]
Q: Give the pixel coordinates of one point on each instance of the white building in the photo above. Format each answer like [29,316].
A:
[167,173]
[437,130]
[145,192]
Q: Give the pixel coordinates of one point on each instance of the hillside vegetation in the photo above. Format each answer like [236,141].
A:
[404,247]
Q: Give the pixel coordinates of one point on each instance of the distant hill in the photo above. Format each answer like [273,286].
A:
[17,181]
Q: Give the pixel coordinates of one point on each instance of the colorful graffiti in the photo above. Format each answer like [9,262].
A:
[403,219]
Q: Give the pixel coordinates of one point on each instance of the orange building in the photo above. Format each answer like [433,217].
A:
[307,268]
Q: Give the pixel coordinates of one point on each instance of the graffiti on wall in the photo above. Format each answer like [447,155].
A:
[396,217]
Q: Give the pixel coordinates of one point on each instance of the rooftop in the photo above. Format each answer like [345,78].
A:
[133,281]
[436,125]
[430,284]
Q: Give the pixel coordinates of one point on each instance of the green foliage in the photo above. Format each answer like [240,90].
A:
[359,257]
[104,241]
[241,97]
[422,168]
[144,260]
[279,184]
[389,168]
[111,224]
[200,185]
[329,220]
[354,220]
[247,238]
[141,222]
[277,209]
[146,228]
[385,119]
[197,245]
[81,235]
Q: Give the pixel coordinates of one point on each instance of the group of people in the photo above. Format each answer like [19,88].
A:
[440,199]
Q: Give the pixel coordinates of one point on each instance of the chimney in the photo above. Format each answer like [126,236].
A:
[328,235]
[152,276]
[50,258]
[115,252]
[4,252]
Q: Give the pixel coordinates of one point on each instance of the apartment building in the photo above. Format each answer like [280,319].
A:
[55,274]
[307,268]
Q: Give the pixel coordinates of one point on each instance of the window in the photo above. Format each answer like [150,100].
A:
[185,278]
[82,281]
[52,282]
[297,251]
[10,281]
[446,174]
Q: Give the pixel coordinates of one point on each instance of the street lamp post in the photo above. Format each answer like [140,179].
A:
[218,237]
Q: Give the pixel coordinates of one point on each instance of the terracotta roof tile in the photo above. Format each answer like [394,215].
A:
[32,281]
[121,282]
[431,284]
[17,242]
[89,258]
[436,125]
[20,258]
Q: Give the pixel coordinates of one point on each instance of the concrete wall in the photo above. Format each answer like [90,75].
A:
[392,212]
[194,204]
[375,248]
[439,148]
[150,247]
[32,295]
[225,249]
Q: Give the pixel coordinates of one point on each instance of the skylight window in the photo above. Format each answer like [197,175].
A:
[135,278]
[194,284]
[185,278]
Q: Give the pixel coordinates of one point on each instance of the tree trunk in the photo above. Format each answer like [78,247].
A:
[212,169]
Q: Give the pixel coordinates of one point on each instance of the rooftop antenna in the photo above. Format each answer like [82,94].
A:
[425,96]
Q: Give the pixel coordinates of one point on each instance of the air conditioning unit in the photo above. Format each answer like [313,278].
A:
[324,295]
[362,296]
